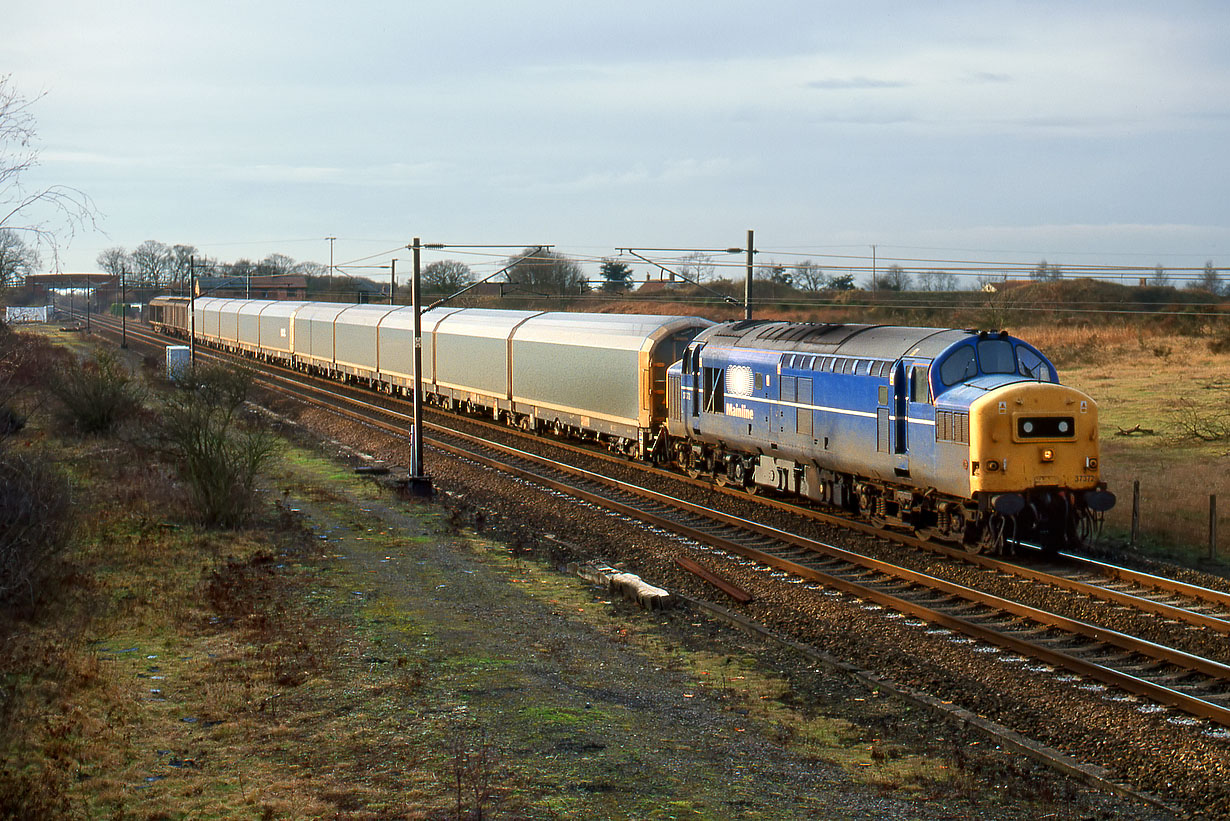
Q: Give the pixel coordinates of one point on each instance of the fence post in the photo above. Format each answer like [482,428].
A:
[1212,526]
[1135,511]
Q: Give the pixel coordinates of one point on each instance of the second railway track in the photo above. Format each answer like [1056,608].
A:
[1162,674]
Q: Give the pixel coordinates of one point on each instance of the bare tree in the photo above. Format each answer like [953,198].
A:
[937,281]
[894,278]
[1209,279]
[183,259]
[446,276]
[697,267]
[17,260]
[546,271]
[151,262]
[809,276]
[113,261]
[307,268]
[274,265]
[1044,272]
[1160,278]
[773,271]
[48,215]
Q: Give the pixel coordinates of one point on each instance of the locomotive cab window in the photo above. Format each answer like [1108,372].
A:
[959,366]
[996,356]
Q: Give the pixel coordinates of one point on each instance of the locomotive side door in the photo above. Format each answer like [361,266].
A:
[901,404]
[900,427]
[692,367]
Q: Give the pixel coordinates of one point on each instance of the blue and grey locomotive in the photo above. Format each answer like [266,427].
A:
[961,435]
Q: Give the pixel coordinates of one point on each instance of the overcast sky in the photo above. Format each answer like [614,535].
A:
[1081,133]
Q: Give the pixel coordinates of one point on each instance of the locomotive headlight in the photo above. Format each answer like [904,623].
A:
[1091,462]
[1048,454]
[992,465]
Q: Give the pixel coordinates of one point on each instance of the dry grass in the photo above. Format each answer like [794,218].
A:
[1155,380]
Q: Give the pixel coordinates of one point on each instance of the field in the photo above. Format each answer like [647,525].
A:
[1169,390]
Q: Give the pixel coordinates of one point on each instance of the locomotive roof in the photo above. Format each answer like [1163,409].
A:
[876,341]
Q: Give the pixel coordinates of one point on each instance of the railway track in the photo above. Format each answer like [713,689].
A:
[1043,641]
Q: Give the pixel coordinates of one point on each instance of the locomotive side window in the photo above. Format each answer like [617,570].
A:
[715,390]
[918,386]
[1032,365]
[959,366]
[759,381]
[995,356]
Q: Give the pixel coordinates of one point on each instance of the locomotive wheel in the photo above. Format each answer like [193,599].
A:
[690,467]
[972,538]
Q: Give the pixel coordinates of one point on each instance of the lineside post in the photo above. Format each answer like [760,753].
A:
[419,483]
[1212,526]
[1135,512]
[747,285]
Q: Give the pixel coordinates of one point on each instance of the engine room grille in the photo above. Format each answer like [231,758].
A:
[951,426]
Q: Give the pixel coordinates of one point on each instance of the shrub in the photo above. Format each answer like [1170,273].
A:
[34,507]
[217,452]
[96,395]
[25,361]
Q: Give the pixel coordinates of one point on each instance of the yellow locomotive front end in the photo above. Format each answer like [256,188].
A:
[1034,461]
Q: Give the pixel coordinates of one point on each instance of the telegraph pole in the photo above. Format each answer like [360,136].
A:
[192,312]
[747,287]
[123,307]
[331,241]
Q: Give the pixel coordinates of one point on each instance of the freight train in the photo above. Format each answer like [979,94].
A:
[963,436]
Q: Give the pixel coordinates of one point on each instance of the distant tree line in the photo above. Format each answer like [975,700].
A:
[541,271]
[155,265]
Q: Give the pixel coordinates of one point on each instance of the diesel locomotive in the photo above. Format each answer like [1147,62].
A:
[963,436]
